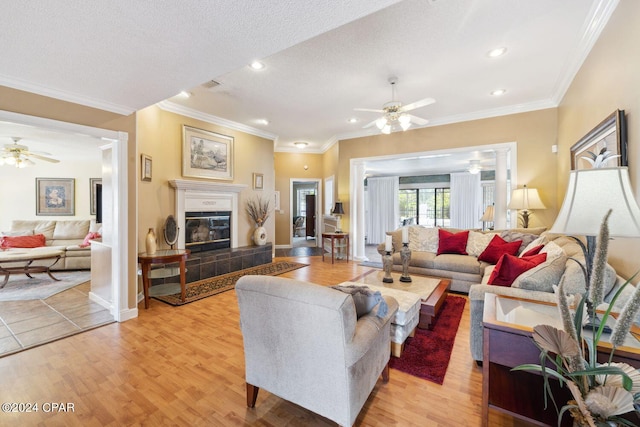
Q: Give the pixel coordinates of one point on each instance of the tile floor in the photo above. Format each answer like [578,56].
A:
[25,324]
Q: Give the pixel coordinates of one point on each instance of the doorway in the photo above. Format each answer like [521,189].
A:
[306,202]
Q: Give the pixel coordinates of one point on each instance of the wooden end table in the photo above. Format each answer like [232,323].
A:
[166,256]
[333,237]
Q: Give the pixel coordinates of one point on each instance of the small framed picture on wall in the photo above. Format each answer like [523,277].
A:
[145,167]
[258,181]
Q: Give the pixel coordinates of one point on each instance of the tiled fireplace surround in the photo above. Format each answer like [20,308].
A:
[197,196]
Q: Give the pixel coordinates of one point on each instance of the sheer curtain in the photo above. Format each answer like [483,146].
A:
[465,201]
[382,215]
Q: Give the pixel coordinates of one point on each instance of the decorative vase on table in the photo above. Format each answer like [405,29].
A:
[260,235]
[150,242]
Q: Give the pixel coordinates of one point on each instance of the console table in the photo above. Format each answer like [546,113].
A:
[508,325]
[166,256]
[333,237]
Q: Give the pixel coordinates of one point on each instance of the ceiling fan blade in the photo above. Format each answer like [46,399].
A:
[46,159]
[368,125]
[418,120]
[368,109]
[418,104]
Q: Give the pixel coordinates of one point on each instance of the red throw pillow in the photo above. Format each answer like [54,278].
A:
[88,238]
[498,247]
[34,241]
[509,267]
[533,251]
[452,243]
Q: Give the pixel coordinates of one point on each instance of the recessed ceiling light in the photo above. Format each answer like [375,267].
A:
[262,121]
[353,120]
[257,65]
[300,145]
[499,51]
[185,94]
[498,92]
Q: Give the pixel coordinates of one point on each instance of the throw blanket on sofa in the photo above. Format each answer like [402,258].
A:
[365,299]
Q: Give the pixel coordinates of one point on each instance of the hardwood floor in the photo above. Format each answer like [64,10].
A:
[184,366]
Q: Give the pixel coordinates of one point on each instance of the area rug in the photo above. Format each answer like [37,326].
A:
[427,354]
[215,285]
[41,286]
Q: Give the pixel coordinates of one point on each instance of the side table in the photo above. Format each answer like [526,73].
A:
[166,256]
[333,237]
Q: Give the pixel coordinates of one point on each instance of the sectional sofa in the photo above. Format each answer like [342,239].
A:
[70,236]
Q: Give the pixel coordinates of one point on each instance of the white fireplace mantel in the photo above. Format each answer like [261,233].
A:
[202,196]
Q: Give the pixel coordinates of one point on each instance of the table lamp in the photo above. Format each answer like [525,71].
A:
[488,216]
[591,193]
[338,211]
[526,199]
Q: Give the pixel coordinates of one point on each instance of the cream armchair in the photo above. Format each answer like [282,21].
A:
[303,343]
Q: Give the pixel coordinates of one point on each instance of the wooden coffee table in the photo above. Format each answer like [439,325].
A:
[432,291]
[27,257]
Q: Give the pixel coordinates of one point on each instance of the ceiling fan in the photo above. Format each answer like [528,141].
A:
[20,156]
[394,113]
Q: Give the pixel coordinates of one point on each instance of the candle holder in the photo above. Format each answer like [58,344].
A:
[387,262]
[405,256]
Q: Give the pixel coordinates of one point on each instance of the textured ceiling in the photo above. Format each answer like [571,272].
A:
[321,61]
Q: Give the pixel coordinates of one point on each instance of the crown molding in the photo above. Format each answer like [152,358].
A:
[595,23]
[65,96]
[194,114]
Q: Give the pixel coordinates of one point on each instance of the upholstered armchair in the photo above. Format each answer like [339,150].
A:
[304,343]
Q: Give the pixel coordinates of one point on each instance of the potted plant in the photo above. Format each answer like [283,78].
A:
[601,392]
[259,210]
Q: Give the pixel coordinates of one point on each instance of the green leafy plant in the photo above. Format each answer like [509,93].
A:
[601,392]
[258,210]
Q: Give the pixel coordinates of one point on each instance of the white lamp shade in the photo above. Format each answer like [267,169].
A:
[526,198]
[590,195]
[488,214]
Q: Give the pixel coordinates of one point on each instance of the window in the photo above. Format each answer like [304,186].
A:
[424,206]
[302,200]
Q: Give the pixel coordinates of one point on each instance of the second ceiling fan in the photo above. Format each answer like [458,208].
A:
[395,114]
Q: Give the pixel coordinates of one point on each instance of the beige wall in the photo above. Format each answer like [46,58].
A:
[534,133]
[291,166]
[160,136]
[41,106]
[608,80]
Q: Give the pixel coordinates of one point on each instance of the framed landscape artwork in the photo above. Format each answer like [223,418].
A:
[604,146]
[206,154]
[94,189]
[55,196]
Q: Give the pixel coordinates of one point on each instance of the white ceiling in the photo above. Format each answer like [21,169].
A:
[321,61]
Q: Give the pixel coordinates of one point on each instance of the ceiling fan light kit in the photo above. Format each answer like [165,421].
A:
[395,115]
[19,155]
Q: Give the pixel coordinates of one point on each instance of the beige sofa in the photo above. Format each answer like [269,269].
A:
[65,235]
[462,270]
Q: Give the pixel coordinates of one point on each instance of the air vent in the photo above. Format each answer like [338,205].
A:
[210,84]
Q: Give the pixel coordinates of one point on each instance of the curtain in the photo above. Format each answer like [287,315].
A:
[383,212]
[465,200]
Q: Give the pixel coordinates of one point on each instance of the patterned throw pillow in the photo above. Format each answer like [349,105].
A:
[423,239]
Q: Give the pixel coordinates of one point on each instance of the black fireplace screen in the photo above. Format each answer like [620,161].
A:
[207,230]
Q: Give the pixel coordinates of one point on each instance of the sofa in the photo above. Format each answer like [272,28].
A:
[462,270]
[70,236]
[305,343]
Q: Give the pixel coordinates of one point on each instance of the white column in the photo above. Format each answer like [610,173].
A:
[356,219]
[500,212]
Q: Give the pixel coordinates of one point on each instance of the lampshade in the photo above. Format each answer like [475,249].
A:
[488,214]
[590,195]
[337,209]
[526,198]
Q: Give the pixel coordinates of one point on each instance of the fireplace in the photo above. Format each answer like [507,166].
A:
[205,231]
[195,198]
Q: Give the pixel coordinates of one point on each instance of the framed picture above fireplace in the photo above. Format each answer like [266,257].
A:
[206,154]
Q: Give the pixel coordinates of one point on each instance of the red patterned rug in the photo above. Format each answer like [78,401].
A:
[427,354]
